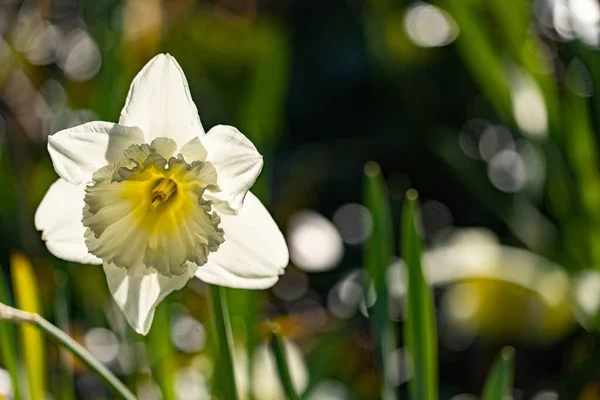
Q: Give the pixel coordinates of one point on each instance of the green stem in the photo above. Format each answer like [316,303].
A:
[221,315]
[281,361]
[18,316]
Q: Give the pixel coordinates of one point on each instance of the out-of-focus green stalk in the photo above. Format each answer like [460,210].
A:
[161,350]
[514,24]
[263,108]
[8,341]
[583,159]
[281,362]
[479,52]
[225,342]
[36,321]
[61,312]
[378,254]
[419,326]
[498,384]
[32,341]
[244,308]
[260,118]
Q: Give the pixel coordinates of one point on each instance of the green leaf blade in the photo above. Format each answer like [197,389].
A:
[378,253]
[499,382]
[225,369]
[281,363]
[162,352]
[420,332]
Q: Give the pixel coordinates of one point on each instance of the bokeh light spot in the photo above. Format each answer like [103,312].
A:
[188,334]
[315,244]
[79,56]
[292,285]
[529,107]
[103,344]
[435,216]
[190,384]
[329,389]
[429,26]
[354,222]
[507,171]
[494,139]
[545,395]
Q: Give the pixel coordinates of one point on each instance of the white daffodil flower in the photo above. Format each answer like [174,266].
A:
[156,200]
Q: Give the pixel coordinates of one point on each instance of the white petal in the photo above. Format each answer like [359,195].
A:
[160,103]
[215,275]
[254,253]
[237,162]
[138,293]
[193,150]
[80,151]
[59,218]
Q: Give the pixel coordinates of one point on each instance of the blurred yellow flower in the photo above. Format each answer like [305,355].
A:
[499,292]
[156,200]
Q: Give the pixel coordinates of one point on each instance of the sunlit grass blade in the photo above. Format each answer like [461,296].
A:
[35,321]
[281,363]
[419,326]
[377,256]
[8,341]
[499,382]
[224,368]
[32,341]
[162,351]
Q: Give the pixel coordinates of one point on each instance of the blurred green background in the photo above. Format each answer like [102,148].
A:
[489,108]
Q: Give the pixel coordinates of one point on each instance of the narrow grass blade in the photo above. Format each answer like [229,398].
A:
[377,256]
[35,321]
[244,308]
[225,367]
[8,341]
[281,363]
[498,384]
[32,341]
[419,326]
[162,351]
[61,315]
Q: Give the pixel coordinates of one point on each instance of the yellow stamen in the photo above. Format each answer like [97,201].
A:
[163,190]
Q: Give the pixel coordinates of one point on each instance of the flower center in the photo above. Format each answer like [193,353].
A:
[148,209]
[164,189]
